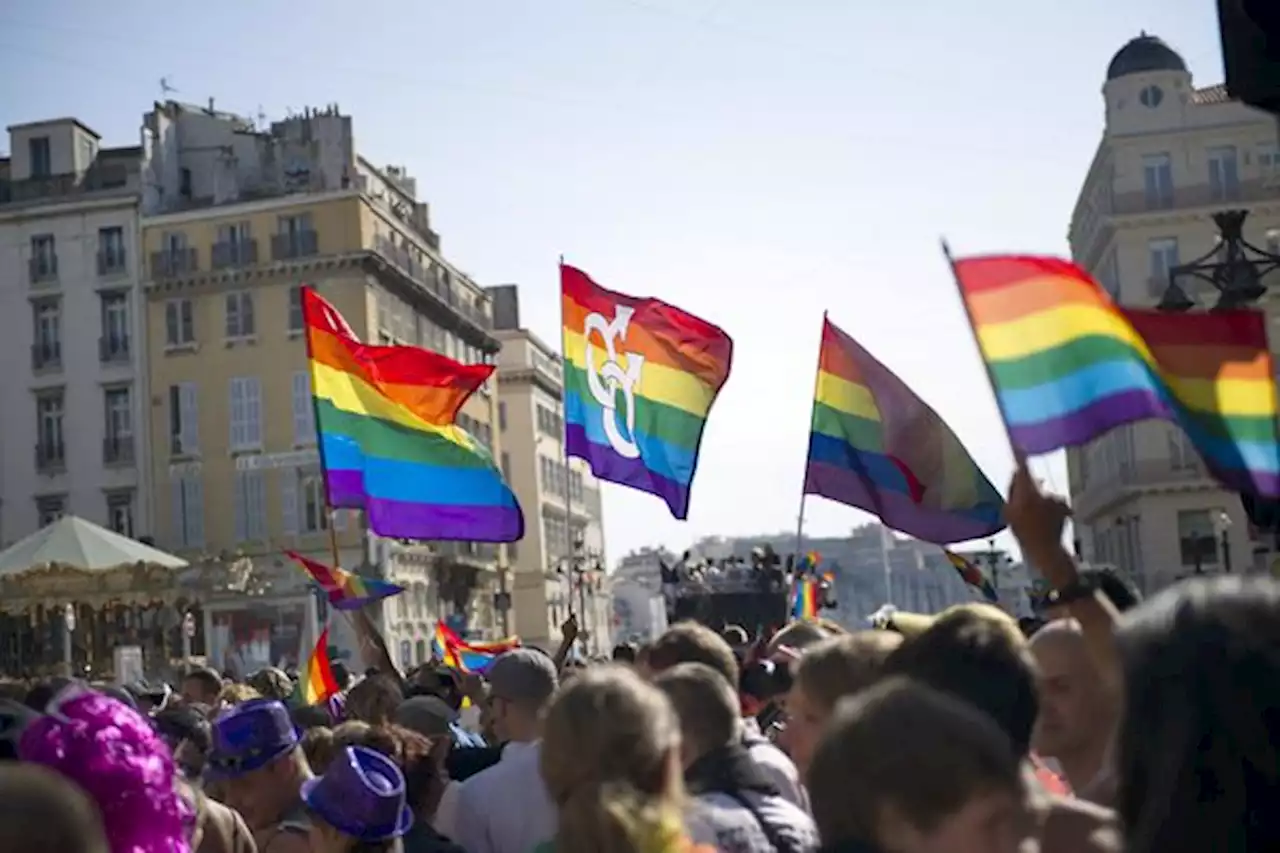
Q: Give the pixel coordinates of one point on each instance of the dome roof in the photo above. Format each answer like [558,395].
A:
[1143,54]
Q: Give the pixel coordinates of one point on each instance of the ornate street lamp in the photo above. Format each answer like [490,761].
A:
[1235,268]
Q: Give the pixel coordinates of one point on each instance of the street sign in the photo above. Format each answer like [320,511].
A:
[290,459]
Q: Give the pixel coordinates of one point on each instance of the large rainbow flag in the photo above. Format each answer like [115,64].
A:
[640,379]
[971,575]
[388,441]
[1067,365]
[875,445]
[345,590]
[467,656]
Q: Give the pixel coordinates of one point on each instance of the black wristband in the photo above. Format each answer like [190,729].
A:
[1077,590]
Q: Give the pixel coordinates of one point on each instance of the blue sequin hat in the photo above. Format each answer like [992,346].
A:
[250,736]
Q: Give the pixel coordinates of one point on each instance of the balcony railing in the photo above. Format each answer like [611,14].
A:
[106,176]
[42,270]
[430,278]
[117,450]
[1197,195]
[174,262]
[113,349]
[51,456]
[46,356]
[291,246]
[239,253]
[1102,490]
[114,262]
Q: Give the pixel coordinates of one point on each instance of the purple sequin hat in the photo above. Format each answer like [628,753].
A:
[250,736]
[361,795]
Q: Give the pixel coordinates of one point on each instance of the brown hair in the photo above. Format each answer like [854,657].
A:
[904,749]
[705,703]
[841,666]
[40,810]
[411,751]
[374,699]
[235,693]
[690,642]
[318,747]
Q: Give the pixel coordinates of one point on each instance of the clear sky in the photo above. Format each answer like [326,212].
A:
[753,161]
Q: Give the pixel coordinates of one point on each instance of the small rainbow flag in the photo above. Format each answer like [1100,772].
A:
[972,575]
[805,604]
[459,654]
[640,377]
[346,590]
[320,684]
[389,444]
[1067,365]
[875,445]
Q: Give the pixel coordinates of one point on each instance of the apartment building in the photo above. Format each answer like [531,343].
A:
[561,498]
[1171,155]
[71,429]
[236,219]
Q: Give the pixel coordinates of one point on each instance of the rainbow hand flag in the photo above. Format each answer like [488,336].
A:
[346,590]
[875,445]
[804,602]
[1067,365]
[459,654]
[388,441]
[972,575]
[320,683]
[640,378]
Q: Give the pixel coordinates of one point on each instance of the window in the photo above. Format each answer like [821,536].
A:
[1197,539]
[1162,256]
[1224,173]
[118,442]
[502,416]
[575,486]
[296,322]
[120,512]
[294,238]
[50,450]
[179,323]
[184,432]
[1157,179]
[111,254]
[44,258]
[1269,160]
[46,349]
[246,413]
[40,156]
[239,315]
[50,508]
[187,511]
[549,422]
[555,534]
[1182,455]
[115,327]
[304,412]
[1151,96]
[313,515]
[250,506]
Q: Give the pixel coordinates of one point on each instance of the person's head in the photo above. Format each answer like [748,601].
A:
[1198,761]
[201,686]
[624,653]
[257,760]
[798,635]
[359,804]
[234,694]
[1076,713]
[907,768]
[691,642]
[737,638]
[439,681]
[374,699]
[826,673]
[521,683]
[429,716]
[271,683]
[42,811]
[976,653]
[318,747]
[706,706]
[419,758]
[611,762]
[186,730]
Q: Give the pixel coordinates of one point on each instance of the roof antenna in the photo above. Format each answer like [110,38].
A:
[165,87]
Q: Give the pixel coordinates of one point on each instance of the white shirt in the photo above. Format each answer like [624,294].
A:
[780,769]
[504,809]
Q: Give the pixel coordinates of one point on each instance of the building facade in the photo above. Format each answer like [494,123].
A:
[71,406]
[1171,155]
[559,566]
[639,608]
[235,220]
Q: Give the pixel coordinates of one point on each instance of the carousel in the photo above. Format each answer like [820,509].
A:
[73,592]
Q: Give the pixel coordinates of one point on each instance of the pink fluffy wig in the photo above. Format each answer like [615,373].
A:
[110,751]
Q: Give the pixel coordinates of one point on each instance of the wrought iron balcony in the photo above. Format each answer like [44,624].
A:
[46,355]
[113,348]
[117,450]
[112,262]
[51,456]
[237,253]
[42,269]
[174,262]
[295,245]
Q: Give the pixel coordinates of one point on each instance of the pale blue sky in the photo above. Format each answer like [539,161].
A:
[754,162]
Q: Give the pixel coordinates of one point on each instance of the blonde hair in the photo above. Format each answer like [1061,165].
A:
[234,694]
[841,666]
[610,761]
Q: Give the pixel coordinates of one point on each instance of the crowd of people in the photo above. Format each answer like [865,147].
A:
[1153,730]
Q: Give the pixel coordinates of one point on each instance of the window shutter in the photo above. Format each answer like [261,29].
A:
[256,501]
[171,323]
[189,416]
[304,428]
[241,501]
[253,412]
[195,511]
[246,314]
[289,500]
[237,413]
[339,517]
[178,515]
[233,315]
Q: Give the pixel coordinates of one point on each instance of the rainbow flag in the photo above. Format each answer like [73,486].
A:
[804,601]
[972,575]
[388,441]
[346,590]
[875,445]
[640,377]
[459,654]
[319,684]
[1067,365]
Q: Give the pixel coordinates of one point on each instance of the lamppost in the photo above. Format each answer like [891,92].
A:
[68,628]
[1222,527]
[188,632]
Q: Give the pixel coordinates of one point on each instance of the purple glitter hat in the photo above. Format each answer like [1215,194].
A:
[250,736]
[361,795]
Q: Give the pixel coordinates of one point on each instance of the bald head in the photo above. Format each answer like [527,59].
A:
[1058,632]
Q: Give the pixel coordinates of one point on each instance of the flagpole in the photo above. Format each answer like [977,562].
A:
[973,329]
[813,407]
[570,550]
[888,565]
